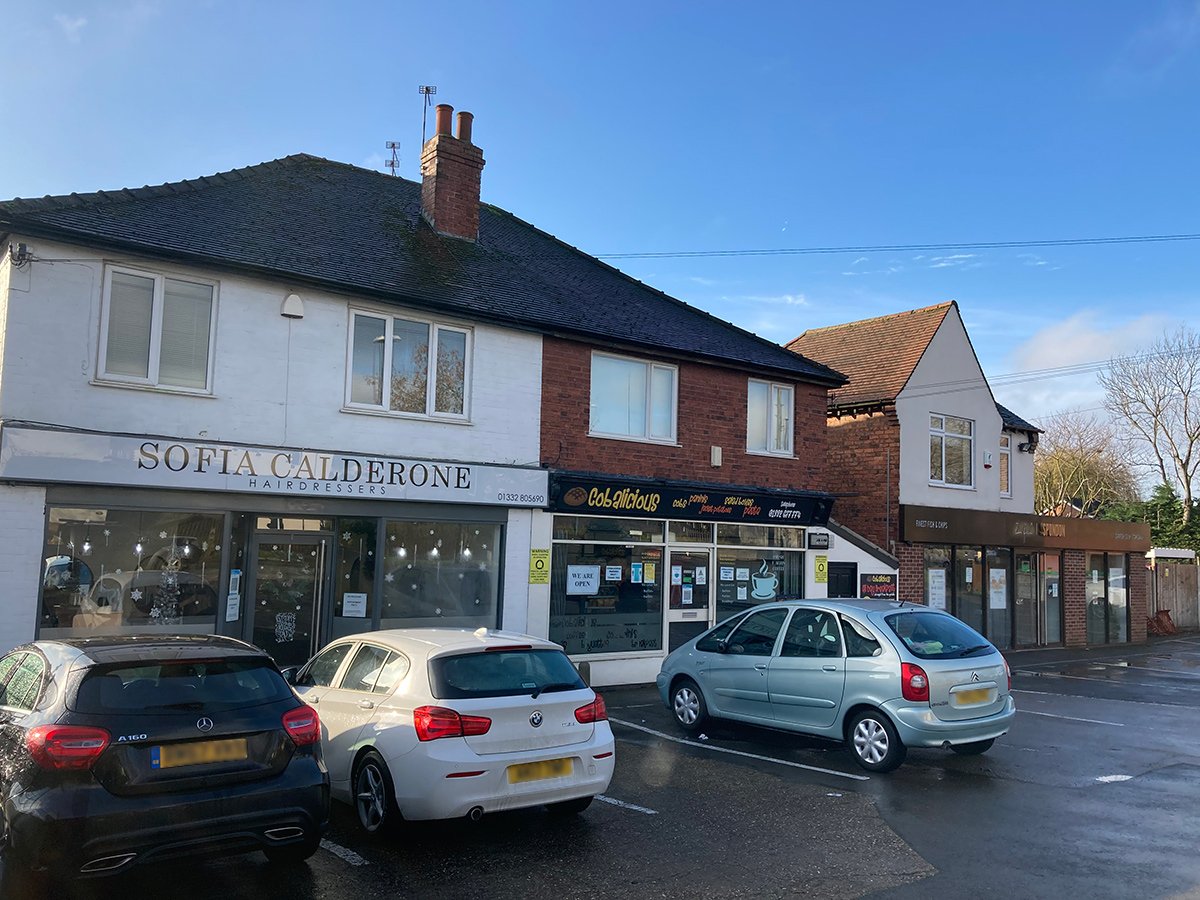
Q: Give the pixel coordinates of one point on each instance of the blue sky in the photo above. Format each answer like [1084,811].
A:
[659,126]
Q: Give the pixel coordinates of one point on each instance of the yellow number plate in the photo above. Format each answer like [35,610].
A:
[169,756]
[551,768]
[979,695]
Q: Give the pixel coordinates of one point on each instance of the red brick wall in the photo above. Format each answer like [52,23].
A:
[912,572]
[864,474]
[1139,598]
[1074,581]
[712,411]
[450,183]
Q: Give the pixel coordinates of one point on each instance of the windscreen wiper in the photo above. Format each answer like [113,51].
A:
[553,686]
[971,650]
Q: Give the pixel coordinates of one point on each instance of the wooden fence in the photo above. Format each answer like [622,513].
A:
[1177,590]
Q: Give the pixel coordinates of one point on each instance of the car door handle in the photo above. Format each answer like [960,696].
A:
[761,668]
[365,704]
[829,668]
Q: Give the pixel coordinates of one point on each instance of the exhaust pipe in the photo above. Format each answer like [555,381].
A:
[285,833]
[475,814]
[106,863]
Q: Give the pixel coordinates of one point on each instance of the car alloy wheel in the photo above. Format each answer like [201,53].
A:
[687,704]
[373,793]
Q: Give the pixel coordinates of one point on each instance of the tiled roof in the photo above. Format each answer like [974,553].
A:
[878,355]
[1013,421]
[338,226]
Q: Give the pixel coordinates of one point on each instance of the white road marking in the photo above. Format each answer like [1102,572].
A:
[1104,699]
[1188,675]
[636,706]
[1034,712]
[1100,680]
[1109,779]
[624,805]
[342,853]
[782,762]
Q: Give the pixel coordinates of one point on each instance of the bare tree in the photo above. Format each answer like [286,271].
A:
[1081,466]
[1156,395]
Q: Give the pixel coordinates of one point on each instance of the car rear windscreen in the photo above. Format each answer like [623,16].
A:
[183,686]
[932,635]
[502,673]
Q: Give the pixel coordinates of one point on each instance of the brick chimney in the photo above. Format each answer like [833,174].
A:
[450,170]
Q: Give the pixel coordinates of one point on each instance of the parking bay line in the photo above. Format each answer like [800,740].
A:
[342,853]
[624,805]
[715,749]
[1105,699]
[1034,712]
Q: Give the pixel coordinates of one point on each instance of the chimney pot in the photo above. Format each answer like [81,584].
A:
[442,118]
[464,126]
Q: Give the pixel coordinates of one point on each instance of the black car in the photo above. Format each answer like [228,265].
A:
[121,750]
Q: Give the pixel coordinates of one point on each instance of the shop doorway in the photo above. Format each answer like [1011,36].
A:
[689,607]
[843,579]
[1037,602]
[287,595]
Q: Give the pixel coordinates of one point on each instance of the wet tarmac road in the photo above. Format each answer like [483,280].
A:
[1094,793]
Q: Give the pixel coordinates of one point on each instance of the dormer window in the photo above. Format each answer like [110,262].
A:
[951,451]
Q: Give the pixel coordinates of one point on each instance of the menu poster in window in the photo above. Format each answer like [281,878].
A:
[687,595]
[726,573]
[701,575]
[354,605]
[936,580]
[612,573]
[583,580]
[649,571]
[743,574]
[880,586]
[635,573]
[741,592]
[997,588]
[676,574]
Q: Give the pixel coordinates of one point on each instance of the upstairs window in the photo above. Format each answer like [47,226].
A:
[157,331]
[633,399]
[769,418]
[1004,458]
[951,449]
[408,366]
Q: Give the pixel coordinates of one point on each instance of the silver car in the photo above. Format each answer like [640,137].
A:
[880,675]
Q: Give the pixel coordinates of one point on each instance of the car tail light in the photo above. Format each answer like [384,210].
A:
[303,725]
[914,684]
[593,712]
[1008,672]
[434,722]
[66,746]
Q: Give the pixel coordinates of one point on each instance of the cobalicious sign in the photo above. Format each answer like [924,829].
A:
[46,455]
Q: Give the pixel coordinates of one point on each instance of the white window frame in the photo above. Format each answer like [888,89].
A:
[1005,461]
[772,424]
[970,438]
[156,323]
[435,330]
[650,368]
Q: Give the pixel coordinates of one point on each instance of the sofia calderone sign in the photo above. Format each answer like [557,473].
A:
[34,454]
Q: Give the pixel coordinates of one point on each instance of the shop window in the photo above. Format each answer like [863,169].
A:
[769,409]
[109,571]
[970,586]
[690,532]
[606,598]
[1096,596]
[408,366]
[999,589]
[633,399]
[156,330]
[951,450]
[1003,459]
[760,536]
[440,574]
[748,577]
[1118,599]
[937,577]
[601,528]
[354,576]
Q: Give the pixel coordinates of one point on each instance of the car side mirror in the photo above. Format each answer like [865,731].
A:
[289,674]
[722,646]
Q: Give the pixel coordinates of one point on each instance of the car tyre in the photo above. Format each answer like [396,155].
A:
[688,706]
[874,741]
[374,794]
[294,854]
[974,748]
[569,807]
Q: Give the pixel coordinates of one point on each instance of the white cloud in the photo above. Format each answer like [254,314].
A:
[72,26]
[861,259]
[1161,44]
[703,282]
[953,259]
[774,299]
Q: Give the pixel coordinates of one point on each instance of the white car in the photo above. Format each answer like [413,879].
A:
[437,723]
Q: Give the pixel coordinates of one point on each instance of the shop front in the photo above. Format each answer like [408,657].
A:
[1027,581]
[287,548]
[639,567]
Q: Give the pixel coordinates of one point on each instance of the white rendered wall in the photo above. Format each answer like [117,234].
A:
[276,381]
[948,381]
[22,531]
[842,551]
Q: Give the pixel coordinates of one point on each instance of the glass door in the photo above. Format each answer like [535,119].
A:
[1026,603]
[289,577]
[689,583]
